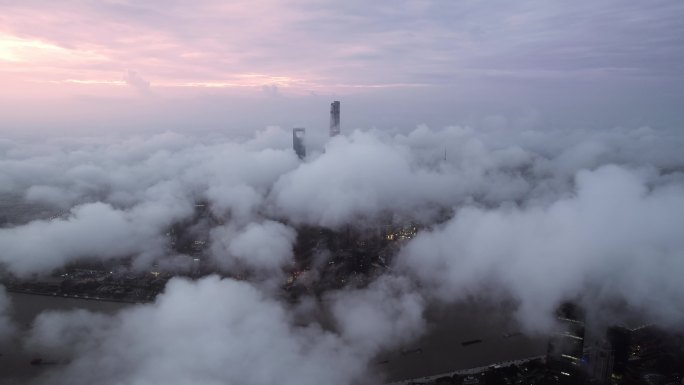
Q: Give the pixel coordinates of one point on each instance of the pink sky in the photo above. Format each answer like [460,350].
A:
[55,52]
[46,47]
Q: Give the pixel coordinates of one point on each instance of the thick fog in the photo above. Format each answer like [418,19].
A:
[615,237]
[507,213]
[210,332]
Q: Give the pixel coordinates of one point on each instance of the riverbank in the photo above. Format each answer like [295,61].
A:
[71,296]
[466,372]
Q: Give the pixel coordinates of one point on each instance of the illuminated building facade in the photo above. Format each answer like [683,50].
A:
[566,347]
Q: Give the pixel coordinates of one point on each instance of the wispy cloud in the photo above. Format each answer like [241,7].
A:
[530,54]
[325,43]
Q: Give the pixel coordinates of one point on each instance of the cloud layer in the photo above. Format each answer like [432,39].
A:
[615,238]
[212,332]
[508,213]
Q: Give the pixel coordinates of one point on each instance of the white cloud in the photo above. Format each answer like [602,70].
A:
[211,332]
[385,315]
[539,216]
[264,247]
[613,240]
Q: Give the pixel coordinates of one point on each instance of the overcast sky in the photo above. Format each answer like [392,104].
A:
[94,66]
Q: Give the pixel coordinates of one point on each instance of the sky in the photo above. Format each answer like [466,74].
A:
[99,66]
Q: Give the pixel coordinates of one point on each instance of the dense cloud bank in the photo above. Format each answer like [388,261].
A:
[92,230]
[221,331]
[209,332]
[262,247]
[134,189]
[532,216]
[613,238]
[386,314]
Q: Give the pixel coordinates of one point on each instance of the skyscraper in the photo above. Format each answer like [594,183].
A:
[566,346]
[298,142]
[334,118]
[620,342]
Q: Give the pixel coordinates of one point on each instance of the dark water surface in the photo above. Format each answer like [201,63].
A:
[15,363]
[14,210]
[440,350]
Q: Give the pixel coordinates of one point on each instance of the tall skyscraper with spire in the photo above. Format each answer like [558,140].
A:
[334,118]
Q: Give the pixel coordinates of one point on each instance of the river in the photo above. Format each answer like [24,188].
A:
[15,367]
[437,351]
[441,348]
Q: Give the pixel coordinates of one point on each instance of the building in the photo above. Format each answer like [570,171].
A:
[620,342]
[598,360]
[298,142]
[566,347]
[334,118]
